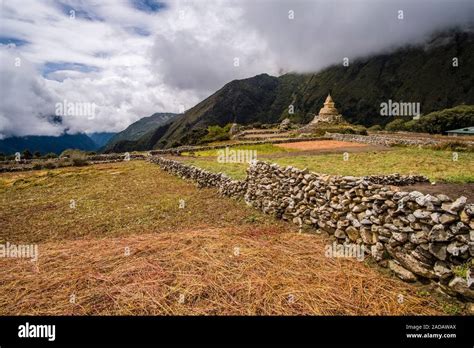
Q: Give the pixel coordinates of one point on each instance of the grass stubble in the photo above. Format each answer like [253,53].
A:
[128,249]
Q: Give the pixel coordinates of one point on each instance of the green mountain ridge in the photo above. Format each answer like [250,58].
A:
[46,144]
[422,74]
[137,130]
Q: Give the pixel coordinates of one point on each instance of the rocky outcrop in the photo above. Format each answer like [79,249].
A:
[426,237]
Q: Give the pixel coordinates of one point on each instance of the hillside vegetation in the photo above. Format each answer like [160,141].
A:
[436,122]
[422,74]
[140,132]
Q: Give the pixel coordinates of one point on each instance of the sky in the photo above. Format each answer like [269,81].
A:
[132,58]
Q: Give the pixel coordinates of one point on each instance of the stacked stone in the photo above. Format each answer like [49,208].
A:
[203,178]
[114,157]
[418,236]
[387,140]
[396,179]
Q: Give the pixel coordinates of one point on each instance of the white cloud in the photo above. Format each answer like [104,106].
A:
[25,100]
[189,53]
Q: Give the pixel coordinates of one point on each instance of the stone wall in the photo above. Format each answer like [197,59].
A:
[389,140]
[52,163]
[203,178]
[418,236]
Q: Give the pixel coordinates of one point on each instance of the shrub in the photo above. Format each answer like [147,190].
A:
[37,154]
[441,121]
[396,125]
[216,133]
[342,129]
[26,154]
[79,162]
[70,153]
[436,122]
[411,126]
[76,157]
[49,165]
[50,155]
[453,146]
[376,128]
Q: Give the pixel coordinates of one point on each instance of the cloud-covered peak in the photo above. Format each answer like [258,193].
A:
[131,58]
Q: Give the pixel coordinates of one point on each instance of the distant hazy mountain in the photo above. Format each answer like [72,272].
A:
[139,129]
[101,138]
[423,74]
[45,144]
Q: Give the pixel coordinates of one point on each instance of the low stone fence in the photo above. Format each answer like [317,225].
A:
[115,157]
[418,236]
[203,178]
[388,140]
[52,163]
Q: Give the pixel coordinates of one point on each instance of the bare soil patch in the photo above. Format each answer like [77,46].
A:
[321,145]
[452,190]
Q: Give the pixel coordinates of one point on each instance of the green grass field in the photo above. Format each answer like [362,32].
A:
[437,165]
[262,149]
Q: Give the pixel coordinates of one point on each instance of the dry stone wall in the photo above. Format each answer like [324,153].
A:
[418,236]
[388,140]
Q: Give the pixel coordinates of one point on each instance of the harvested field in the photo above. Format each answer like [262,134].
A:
[322,145]
[228,271]
[128,249]
[110,200]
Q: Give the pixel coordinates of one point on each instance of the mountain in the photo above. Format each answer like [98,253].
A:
[257,99]
[145,142]
[46,144]
[139,129]
[100,138]
[423,74]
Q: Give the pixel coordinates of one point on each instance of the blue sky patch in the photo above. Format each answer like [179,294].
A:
[79,13]
[51,67]
[139,31]
[148,5]
[12,40]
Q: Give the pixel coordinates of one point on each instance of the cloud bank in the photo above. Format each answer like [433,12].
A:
[134,58]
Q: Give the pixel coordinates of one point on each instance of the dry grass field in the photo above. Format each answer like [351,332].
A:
[127,248]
